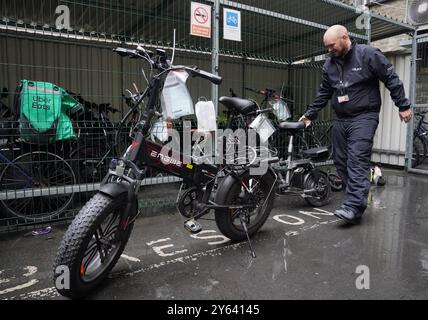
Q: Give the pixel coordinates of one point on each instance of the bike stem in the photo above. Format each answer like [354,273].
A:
[289,159]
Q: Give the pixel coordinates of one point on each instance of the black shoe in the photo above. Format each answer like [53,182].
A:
[348,215]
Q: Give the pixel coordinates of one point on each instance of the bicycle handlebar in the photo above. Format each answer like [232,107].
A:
[255,91]
[123,52]
[165,65]
[206,75]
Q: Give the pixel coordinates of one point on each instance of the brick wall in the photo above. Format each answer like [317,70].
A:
[395,9]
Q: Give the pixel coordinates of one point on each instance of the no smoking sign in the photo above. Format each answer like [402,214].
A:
[200,20]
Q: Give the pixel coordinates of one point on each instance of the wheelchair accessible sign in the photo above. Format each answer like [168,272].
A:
[200,20]
[231,25]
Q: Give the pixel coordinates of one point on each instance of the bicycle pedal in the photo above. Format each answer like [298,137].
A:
[192,226]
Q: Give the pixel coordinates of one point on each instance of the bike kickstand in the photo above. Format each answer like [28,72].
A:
[244,225]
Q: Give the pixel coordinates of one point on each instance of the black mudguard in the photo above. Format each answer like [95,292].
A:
[115,190]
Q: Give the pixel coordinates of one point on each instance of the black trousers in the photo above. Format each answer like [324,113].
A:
[352,149]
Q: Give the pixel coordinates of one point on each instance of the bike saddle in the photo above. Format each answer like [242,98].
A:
[320,153]
[243,106]
[291,125]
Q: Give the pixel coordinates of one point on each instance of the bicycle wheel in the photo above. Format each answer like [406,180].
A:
[44,176]
[93,244]
[419,154]
[253,190]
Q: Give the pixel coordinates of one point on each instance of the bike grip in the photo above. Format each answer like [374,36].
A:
[209,76]
[121,51]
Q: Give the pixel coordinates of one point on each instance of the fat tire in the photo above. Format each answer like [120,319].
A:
[225,197]
[77,237]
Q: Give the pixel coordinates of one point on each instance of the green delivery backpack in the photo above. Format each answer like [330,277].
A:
[42,112]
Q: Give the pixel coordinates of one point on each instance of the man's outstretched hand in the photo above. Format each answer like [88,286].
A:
[306,121]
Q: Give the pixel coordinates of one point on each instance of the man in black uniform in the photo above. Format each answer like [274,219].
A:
[350,78]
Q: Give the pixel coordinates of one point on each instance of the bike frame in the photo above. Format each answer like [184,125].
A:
[144,153]
[290,165]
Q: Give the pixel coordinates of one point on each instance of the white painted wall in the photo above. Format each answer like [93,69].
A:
[391,133]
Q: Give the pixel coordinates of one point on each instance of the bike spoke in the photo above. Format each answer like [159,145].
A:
[112,232]
[89,259]
[92,246]
[107,230]
[99,244]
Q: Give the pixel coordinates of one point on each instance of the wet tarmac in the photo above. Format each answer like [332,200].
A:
[302,253]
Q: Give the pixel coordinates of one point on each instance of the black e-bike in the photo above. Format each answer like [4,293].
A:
[98,234]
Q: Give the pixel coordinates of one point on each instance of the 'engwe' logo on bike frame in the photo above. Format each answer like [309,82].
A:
[239,147]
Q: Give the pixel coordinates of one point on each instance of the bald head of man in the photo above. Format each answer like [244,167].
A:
[337,41]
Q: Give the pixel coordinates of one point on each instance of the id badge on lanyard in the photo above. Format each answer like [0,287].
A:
[343,97]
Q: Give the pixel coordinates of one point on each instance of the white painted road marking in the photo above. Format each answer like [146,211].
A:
[51,292]
[160,249]
[198,236]
[30,271]
[20,287]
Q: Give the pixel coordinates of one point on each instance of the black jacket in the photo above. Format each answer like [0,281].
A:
[357,75]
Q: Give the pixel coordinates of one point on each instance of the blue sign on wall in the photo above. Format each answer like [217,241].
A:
[232,19]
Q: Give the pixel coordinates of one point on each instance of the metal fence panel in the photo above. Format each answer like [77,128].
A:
[281,48]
